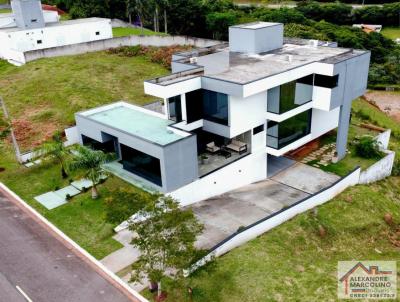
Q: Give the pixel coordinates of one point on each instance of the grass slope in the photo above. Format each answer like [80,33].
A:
[127,31]
[391,32]
[46,93]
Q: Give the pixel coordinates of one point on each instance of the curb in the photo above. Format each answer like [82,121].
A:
[72,245]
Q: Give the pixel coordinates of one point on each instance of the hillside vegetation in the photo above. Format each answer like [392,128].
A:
[43,96]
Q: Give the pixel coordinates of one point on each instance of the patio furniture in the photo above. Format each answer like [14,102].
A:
[225,153]
[212,148]
[237,146]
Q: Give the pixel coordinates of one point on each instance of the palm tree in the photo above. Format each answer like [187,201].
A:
[91,161]
[55,150]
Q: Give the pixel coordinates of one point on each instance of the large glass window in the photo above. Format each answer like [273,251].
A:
[175,109]
[141,164]
[194,105]
[208,105]
[284,133]
[290,95]
[215,107]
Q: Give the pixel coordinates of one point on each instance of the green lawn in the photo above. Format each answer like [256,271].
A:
[128,31]
[83,219]
[391,32]
[4,11]
[46,93]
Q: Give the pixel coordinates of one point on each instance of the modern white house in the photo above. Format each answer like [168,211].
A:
[229,110]
[29,28]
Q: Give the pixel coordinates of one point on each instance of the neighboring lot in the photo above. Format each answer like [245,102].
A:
[43,96]
[391,32]
[127,31]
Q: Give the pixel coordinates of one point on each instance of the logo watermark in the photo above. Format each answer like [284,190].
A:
[367,280]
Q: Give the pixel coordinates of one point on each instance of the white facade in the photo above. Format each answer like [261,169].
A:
[14,42]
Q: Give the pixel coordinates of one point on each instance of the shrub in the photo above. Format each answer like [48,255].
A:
[368,147]
[68,197]
[396,168]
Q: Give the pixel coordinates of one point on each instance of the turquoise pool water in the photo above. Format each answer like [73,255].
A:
[138,123]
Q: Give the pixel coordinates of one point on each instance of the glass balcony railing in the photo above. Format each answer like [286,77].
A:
[284,133]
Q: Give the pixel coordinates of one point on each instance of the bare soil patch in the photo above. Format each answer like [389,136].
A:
[386,101]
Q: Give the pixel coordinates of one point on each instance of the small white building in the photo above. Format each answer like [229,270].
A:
[30,29]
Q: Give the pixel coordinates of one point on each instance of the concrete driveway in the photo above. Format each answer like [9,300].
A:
[224,214]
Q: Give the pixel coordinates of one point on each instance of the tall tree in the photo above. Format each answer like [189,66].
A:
[55,150]
[91,162]
[165,239]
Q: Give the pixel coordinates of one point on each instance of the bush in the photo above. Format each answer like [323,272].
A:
[396,168]
[368,147]
[68,197]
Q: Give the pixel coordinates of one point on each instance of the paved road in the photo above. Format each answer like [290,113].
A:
[43,267]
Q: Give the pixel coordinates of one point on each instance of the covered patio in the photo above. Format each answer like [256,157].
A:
[215,151]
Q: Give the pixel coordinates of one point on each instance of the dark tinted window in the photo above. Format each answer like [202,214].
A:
[194,105]
[215,107]
[306,80]
[175,109]
[326,81]
[258,129]
[284,133]
[141,164]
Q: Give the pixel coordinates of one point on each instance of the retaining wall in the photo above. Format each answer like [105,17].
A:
[81,48]
[379,170]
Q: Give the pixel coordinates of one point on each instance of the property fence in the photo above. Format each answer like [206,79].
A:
[258,228]
[81,48]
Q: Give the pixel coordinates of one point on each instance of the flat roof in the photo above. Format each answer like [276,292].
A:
[138,122]
[56,24]
[256,25]
[243,68]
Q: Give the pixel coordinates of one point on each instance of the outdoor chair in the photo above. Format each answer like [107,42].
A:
[237,146]
[212,148]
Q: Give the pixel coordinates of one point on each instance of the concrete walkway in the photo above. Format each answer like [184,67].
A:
[305,178]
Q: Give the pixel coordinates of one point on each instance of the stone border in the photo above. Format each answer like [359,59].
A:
[72,245]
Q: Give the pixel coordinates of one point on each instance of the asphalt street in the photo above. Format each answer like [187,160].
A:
[35,266]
